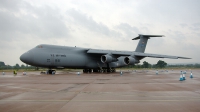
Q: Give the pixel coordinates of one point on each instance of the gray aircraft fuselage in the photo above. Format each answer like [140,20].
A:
[53,56]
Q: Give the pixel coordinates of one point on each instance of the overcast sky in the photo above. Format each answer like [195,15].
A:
[101,24]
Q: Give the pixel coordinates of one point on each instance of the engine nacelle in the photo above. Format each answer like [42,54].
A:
[107,59]
[130,60]
[121,62]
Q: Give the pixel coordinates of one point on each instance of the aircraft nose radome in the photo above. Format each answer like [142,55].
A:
[26,58]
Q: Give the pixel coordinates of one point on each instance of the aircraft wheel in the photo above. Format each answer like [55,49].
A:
[108,70]
[99,71]
[53,72]
[114,70]
[49,72]
[95,70]
[89,70]
[83,70]
[86,70]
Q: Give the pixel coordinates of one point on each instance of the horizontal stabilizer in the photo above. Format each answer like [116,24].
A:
[147,36]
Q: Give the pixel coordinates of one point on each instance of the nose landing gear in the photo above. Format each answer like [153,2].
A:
[99,70]
[51,72]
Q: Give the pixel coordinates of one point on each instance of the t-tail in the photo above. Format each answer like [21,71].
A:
[143,41]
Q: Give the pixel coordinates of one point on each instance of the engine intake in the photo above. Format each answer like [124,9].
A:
[107,59]
[130,60]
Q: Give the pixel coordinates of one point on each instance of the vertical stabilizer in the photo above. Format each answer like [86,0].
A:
[143,41]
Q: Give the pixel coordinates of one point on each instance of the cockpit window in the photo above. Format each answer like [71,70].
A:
[39,46]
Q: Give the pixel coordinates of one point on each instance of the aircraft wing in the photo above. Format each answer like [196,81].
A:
[129,53]
[158,56]
[113,52]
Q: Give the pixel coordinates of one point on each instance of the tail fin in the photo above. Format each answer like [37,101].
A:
[143,41]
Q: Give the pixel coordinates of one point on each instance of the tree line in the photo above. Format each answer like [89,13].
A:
[16,66]
[162,64]
[145,64]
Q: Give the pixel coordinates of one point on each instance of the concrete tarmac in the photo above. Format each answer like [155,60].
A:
[140,91]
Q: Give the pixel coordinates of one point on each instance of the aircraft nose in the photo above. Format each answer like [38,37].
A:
[27,58]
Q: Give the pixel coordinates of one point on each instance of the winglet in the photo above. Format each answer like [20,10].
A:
[147,36]
[184,57]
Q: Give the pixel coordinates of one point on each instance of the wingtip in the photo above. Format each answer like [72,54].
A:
[184,58]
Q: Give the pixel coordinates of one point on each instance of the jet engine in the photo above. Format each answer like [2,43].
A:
[121,62]
[130,60]
[108,59]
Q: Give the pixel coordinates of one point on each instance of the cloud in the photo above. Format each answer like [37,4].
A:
[43,22]
[85,21]
[11,5]
[195,27]
[23,26]
[175,11]
[128,30]
[183,25]
[101,24]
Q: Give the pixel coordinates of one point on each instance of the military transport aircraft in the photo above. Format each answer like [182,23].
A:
[90,60]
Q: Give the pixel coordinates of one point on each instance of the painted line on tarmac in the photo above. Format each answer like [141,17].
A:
[27,88]
[99,100]
[141,96]
[162,83]
[136,95]
[174,83]
[164,96]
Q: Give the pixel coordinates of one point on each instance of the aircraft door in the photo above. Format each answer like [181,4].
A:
[52,59]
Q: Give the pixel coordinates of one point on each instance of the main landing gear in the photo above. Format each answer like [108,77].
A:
[99,70]
[87,70]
